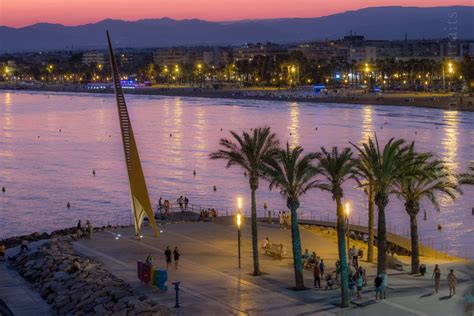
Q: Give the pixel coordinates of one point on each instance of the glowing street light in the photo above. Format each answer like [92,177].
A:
[239,222]
[347,210]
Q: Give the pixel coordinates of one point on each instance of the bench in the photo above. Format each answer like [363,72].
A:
[394,263]
[275,251]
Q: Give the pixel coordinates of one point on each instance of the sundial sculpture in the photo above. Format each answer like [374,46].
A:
[140,200]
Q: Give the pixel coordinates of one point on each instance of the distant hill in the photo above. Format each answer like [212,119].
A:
[374,23]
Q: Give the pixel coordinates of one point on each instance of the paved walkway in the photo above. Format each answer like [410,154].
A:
[212,284]
[18,295]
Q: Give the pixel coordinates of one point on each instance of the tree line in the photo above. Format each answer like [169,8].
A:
[395,168]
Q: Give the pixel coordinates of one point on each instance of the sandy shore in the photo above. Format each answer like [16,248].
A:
[425,100]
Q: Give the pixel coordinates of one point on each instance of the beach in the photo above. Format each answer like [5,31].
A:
[449,101]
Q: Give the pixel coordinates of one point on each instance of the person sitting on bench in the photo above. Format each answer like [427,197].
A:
[266,243]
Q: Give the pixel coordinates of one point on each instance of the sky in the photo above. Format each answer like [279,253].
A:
[19,13]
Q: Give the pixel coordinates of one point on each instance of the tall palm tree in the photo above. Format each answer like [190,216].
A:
[387,166]
[428,178]
[250,152]
[293,174]
[365,180]
[336,168]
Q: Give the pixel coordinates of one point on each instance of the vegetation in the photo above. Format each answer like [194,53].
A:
[250,151]
[336,168]
[386,166]
[293,173]
[427,177]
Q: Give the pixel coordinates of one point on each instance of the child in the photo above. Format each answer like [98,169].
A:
[378,287]
[360,285]
[352,284]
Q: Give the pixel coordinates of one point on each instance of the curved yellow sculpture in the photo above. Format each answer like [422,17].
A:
[139,198]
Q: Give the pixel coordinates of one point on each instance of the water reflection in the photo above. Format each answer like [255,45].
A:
[294,124]
[450,140]
[367,120]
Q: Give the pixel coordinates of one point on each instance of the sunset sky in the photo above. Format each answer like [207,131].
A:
[19,13]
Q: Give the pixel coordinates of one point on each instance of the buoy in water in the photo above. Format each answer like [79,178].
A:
[416,132]
[171,135]
[440,227]
[60,130]
[215,188]
[68,205]
[194,172]
[3,189]
[221,129]
[315,128]
[93,172]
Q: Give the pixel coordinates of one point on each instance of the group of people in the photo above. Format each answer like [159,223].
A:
[164,206]
[209,213]
[84,231]
[183,203]
[309,259]
[452,280]
[284,219]
[176,254]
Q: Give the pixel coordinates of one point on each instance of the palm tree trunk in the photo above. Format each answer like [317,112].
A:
[296,242]
[370,245]
[415,256]
[256,266]
[381,201]
[341,243]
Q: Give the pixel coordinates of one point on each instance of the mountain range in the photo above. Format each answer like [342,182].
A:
[374,23]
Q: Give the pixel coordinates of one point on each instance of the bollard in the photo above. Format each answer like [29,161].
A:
[176,288]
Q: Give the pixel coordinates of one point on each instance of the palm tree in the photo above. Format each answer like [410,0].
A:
[250,152]
[428,177]
[386,166]
[365,180]
[468,177]
[293,174]
[336,168]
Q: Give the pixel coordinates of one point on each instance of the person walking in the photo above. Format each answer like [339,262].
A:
[79,229]
[168,257]
[321,268]
[360,284]
[378,287]
[186,202]
[90,229]
[317,276]
[452,283]
[281,219]
[180,202]
[176,255]
[160,205]
[384,285]
[437,277]
[288,220]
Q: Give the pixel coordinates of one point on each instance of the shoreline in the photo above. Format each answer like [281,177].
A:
[421,100]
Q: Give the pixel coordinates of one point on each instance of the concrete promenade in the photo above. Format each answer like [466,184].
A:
[213,285]
[17,294]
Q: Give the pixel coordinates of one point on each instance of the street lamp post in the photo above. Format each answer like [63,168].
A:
[239,221]
[347,210]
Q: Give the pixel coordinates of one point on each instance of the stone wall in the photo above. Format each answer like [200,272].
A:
[74,285]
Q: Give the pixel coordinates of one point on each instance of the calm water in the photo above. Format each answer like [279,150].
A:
[43,169]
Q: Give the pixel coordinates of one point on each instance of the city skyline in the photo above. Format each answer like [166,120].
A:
[22,13]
